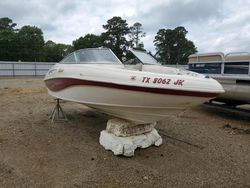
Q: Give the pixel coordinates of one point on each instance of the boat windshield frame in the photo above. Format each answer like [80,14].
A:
[144,57]
[91,56]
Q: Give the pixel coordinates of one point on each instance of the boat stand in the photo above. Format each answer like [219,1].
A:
[122,137]
[57,114]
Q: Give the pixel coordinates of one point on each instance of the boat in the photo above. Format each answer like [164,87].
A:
[230,70]
[144,92]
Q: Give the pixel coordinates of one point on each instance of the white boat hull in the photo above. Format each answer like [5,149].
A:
[138,106]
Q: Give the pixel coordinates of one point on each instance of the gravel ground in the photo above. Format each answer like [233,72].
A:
[201,147]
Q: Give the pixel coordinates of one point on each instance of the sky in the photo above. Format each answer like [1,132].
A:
[213,25]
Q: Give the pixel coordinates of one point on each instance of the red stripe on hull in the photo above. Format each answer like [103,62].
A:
[57,84]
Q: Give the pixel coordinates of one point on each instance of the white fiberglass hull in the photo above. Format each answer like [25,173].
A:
[142,97]
[135,106]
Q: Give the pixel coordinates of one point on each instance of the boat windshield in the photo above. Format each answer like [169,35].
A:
[92,56]
[144,57]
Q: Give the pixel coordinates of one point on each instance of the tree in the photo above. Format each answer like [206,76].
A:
[88,41]
[7,24]
[114,37]
[172,46]
[53,52]
[8,45]
[135,34]
[30,39]
[8,39]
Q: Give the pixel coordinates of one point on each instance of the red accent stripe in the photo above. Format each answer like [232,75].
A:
[57,84]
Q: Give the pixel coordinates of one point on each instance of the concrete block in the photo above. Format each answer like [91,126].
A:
[126,145]
[124,128]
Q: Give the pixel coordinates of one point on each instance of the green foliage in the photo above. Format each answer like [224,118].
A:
[136,32]
[172,46]
[6,24]
[30,39]
[27,44]
[8,40]
[88,41]
[53,52]
[115,36]
[8,45]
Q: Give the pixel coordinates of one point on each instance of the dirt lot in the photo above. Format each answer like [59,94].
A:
[201,147]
